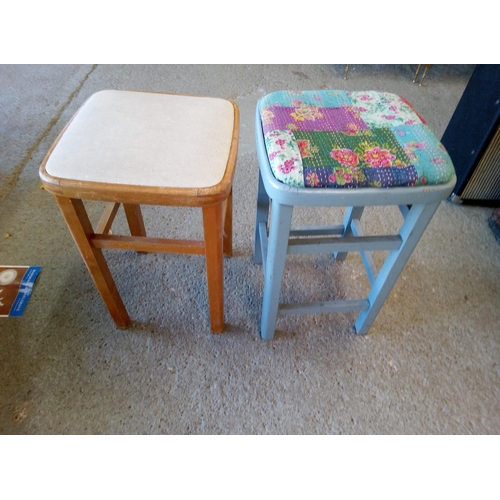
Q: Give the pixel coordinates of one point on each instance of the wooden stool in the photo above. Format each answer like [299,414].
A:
[154,149]
[332,148]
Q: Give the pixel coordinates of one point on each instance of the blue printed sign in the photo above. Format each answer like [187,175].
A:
[16,287]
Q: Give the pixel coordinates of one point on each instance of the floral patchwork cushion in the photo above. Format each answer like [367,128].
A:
[340,139]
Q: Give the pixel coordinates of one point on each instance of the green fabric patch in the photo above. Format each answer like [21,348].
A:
[370,148]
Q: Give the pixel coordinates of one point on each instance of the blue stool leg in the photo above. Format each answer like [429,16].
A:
[262,216]
[412,229]
[279,230]
[351,213]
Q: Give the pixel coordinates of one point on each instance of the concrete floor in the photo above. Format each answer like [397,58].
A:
[429,365]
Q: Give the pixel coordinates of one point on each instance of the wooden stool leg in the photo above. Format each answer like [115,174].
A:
[228,226]
[279,230]
[262,216]
[412,229]
[212,227]
[135,220]
[80,227]
[107,218]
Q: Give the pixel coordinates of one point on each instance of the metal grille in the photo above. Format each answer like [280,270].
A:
[485,181]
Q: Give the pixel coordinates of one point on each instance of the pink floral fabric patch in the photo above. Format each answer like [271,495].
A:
[284,157]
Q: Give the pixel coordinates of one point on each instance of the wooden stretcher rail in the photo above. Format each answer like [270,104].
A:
[145,244]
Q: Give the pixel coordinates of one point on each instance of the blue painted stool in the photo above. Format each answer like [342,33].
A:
[332,148]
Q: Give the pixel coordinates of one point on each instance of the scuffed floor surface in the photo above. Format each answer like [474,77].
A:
[429,365]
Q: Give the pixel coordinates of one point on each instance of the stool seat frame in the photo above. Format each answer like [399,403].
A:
[275,237]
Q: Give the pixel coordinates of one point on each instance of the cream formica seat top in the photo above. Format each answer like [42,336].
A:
[146,139]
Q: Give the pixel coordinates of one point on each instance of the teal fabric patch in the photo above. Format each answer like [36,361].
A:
[325,98]
[429,156]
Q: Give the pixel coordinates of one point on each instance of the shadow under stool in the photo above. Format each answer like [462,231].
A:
[332,148]
[149,148]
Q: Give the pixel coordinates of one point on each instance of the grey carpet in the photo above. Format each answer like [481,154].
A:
[429,365]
